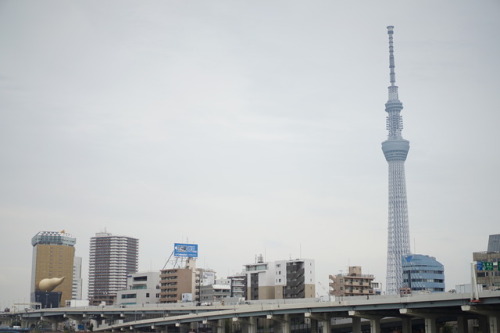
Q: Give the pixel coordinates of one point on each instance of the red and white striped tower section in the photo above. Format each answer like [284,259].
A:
[395,149]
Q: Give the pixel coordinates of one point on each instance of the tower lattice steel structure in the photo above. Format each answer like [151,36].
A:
[395,149]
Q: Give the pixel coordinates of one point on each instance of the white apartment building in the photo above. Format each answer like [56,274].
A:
[216,292]
[142,288]
[282,279]
[76,291]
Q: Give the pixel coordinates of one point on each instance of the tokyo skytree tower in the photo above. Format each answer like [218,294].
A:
[395,149]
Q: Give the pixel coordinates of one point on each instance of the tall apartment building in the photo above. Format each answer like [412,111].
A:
[487,264]
[53,255]
[76,289]
[111,259]
[283,279]
[142,288]
[353,283]
[176,282]
[423,273]
[238,286]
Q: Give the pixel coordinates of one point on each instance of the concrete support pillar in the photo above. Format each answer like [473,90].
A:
[221,328]
[374,320]
[268,323]
[489,323]
[286,327]
[494,321]
[317,320]
[462,325]
[430,325]
[429,318]
[406,324]
[356,325]
[326,326]
[249,325]
[375,325]
[471,325]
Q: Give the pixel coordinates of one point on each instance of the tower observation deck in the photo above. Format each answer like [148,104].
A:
[395,150]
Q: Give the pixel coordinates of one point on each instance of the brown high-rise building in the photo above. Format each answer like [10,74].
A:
[53,255]
[111,259]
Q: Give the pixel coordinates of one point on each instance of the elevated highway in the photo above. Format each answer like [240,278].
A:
[350,314]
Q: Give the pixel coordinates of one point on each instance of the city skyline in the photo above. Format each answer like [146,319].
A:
[245,128]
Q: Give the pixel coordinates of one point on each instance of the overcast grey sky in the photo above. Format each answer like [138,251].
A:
[246,127]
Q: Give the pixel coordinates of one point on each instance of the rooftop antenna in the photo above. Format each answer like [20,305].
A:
[390,32]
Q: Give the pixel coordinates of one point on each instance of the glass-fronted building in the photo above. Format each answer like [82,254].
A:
[423,273]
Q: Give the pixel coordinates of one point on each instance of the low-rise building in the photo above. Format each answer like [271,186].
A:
[176,282]
[487,269]
[283,279]
[142,288]
[216,292]
[353,283]
[487,264]
[238,285]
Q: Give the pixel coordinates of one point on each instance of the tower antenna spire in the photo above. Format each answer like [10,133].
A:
[393,88]
[390,32]
[395,149]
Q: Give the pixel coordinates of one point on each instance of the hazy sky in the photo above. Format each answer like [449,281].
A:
[246,127]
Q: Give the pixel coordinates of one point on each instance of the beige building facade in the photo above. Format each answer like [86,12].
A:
[487,264]
[352,284]
[176,282]
[487,269]
[53,256]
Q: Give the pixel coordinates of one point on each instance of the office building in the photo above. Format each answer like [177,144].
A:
[487,265]
[112,258]
[283,279]
[422,273]
[142,288]
[354,283]
[395,150]
[494,243]
[53,258]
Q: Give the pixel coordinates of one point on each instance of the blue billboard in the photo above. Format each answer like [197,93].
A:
[185,250]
